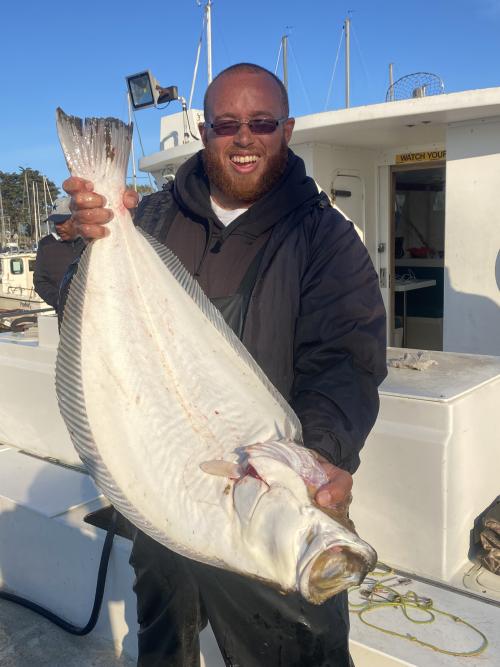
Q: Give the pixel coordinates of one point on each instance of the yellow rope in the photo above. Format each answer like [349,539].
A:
[405,602]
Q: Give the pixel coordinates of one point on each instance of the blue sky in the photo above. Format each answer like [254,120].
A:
[76,55]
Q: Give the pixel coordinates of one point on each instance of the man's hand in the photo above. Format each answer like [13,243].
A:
[89,212]
[336,493]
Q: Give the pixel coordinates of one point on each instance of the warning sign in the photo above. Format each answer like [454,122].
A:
[423,156]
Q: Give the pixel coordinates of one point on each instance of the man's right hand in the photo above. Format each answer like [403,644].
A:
[89,212]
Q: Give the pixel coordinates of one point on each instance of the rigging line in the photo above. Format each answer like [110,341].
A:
[300,76]
[334,68]
[358,46]
[142,147]
[198,53]
[278,59]
[220,39]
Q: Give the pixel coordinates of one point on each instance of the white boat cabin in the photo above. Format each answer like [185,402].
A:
[419,178]
[16,276]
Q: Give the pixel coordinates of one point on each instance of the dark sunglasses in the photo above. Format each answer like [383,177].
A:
[228,128]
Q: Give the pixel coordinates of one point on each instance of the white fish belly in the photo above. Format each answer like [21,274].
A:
[165,391]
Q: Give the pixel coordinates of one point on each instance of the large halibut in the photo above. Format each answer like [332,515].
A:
[175,421]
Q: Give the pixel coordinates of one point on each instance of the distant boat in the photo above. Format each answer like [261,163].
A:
[16,286]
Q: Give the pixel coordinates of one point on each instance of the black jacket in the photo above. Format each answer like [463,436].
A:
[52,260]
[315,321]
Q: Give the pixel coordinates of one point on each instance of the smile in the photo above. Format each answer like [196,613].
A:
[244,159]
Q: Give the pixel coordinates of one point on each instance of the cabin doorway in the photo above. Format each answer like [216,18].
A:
[417,242]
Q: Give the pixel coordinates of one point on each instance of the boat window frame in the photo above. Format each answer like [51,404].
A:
[11,266]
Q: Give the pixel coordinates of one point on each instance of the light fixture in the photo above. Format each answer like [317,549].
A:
[145,91]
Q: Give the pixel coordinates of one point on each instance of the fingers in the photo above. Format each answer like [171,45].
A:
[130,199]
[337,490]
[90,223]
[75,184]
[89,214]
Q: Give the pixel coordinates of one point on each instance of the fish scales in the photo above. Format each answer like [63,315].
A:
[160,396]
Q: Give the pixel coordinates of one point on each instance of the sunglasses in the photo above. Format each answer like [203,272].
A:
[228,128]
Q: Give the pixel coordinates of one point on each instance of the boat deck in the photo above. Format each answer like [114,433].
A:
[27,639]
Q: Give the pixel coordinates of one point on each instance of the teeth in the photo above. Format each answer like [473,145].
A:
[244,159]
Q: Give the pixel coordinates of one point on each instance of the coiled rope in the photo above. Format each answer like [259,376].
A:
[381,596]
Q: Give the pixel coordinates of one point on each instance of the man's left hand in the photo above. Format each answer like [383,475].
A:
[336,493]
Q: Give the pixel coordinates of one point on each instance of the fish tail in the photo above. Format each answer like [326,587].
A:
[95,148]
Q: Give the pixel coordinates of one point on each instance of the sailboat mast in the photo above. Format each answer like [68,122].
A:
[2,239]
[45,199]
[391,82]
[347,26]
[34,212]
[208,10]
[27,190]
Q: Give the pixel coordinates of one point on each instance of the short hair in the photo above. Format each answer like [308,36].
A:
[254,69]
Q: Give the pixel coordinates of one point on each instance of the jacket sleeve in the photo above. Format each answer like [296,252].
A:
[42,281]
[340,343]
[155,213]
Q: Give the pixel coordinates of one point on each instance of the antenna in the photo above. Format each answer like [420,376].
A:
[284,43]
[419,84]
[347,27]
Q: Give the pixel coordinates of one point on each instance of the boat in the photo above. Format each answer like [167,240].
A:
[418,178]
[16,282]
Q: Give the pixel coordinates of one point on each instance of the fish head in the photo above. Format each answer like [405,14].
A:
[301,545]
[334,559]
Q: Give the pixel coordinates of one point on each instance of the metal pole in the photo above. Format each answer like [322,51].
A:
[209,40]
[34,213]
[132,153]
[284,43]
[45,202]
[2,239]
[27,197]
[347,26]
[38,216]
[391,82]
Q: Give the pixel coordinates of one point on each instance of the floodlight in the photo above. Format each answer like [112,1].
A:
[145,91]
[142,90]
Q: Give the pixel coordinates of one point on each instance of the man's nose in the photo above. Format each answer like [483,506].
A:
[243,137]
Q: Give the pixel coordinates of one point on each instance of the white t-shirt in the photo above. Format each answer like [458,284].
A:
[226,216]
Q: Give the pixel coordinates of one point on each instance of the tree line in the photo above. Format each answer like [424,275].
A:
[23,196]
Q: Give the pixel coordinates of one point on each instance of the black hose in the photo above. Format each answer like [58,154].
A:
[99,593]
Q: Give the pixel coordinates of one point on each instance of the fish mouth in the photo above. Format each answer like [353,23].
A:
[337,568]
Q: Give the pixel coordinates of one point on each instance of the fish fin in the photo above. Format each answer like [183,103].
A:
[221,468]
[69,383]
[294,455]
[70,396]
[95,148]
[247,493]
[192,287]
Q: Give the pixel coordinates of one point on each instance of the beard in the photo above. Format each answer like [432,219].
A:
[245,188]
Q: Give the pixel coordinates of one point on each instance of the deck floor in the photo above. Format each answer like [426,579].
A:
[27,639]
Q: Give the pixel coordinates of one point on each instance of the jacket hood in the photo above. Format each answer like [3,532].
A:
[192,193]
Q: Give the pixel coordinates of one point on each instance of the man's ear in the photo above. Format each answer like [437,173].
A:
[203,133]
[288,129]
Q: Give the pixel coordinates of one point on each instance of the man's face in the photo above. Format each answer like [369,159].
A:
[66,230]
[243,167]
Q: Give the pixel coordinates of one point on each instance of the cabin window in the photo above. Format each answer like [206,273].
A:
[31,265]
[16,266]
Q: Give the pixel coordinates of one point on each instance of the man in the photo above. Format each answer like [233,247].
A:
[56,252]
[295,283]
